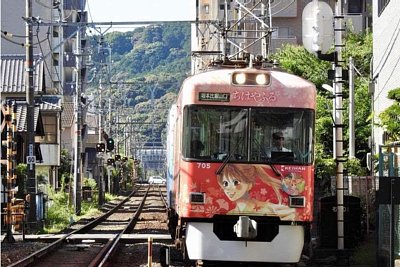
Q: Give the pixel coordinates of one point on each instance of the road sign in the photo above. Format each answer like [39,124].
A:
[30,159]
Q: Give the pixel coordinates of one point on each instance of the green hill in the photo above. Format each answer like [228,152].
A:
[148,66]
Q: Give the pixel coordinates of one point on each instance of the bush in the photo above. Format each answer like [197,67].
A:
[61,213]
[89,182]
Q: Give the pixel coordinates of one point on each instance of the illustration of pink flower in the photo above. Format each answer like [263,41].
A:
[211,210]
[223,204]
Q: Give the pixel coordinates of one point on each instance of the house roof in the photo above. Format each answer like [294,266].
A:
[67,115]
[50,103]
[22,122]
[13,74]
[21,118]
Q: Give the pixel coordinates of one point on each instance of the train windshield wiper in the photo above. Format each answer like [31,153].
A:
[228,157]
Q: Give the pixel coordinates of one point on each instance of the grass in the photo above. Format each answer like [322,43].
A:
[365,253]
[61,212]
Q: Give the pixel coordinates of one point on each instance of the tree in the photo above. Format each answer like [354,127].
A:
[297,60]
[390,117]
[120,43]
[65,167]
[21,180]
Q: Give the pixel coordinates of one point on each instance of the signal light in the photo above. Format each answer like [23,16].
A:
[117,157]
[110,144]
[110,161]
[100,147]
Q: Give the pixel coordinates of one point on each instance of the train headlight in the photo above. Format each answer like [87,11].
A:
[251,78]
[261,79]
[239,78]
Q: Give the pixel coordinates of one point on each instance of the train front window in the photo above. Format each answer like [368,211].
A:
[215,133]
[271,135]
[282,135]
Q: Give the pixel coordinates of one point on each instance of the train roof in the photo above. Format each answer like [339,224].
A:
[284,89]
[218,76]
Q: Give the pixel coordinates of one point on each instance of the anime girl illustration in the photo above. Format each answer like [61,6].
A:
[237,181]
[293,184]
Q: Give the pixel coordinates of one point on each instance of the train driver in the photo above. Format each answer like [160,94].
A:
[278,141]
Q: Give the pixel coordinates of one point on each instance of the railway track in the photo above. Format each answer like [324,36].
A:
[119,237]
[116,238]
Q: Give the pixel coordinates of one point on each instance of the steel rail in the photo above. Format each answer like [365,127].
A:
[111,246]
[34,257]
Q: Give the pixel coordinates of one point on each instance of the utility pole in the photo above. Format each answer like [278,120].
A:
[78,126]
[30,101]
[351,109]
[100,155]
[338,24]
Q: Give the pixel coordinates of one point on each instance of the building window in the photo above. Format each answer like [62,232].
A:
[207,9]
[50,129]
[355,7]
[282,32]
[382,5]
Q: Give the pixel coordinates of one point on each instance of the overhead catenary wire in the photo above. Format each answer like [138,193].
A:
[56,5]
[7,36]
[283,8]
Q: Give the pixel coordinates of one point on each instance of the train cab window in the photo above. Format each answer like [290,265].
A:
[293,128]
[214,133]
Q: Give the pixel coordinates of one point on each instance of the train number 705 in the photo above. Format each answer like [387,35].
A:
[202,165]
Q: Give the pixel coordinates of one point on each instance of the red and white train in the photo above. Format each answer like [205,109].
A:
[232,194]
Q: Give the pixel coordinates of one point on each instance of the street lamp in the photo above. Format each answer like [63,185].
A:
[328,88]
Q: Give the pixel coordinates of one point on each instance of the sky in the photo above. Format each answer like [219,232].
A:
[139,10]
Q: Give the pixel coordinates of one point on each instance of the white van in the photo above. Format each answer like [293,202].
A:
[156,180]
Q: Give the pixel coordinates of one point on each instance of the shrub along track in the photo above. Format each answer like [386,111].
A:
[94,243]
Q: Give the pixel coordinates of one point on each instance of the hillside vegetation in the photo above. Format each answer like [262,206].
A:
[148,66]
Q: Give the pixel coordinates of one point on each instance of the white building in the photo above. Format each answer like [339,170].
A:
[386,59]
